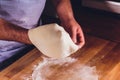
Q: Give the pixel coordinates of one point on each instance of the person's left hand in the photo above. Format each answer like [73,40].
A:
[75,32]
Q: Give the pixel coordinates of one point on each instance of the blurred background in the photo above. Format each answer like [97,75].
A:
[99,18]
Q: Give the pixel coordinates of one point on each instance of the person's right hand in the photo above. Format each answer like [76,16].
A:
[75,32]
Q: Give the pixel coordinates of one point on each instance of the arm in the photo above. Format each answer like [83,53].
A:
[13,32]
[65,14]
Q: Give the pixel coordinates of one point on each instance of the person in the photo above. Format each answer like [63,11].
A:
[18,16]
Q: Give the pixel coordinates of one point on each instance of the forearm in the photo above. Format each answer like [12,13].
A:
[13,32]
[65,14]
[64,10]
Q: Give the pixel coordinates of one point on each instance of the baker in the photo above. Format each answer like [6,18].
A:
[18,16]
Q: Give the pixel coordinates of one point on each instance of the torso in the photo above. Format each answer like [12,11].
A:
[24,13]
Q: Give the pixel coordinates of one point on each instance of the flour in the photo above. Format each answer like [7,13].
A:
[26,77]
[63,69]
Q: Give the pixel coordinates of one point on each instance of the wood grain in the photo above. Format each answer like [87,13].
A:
[103,54]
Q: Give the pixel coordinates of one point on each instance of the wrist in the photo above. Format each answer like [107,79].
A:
[26,37]
[21,35]
[68,22]
[66,18]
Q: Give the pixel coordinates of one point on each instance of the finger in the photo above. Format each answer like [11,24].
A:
[80,40]
[73,35]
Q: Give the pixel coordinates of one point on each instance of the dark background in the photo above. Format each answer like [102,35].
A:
[94,22]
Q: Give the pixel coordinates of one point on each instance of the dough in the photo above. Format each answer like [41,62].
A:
[52,40]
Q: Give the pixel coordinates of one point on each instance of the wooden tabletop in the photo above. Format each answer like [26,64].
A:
[103,54]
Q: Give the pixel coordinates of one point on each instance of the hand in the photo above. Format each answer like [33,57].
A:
[75,32]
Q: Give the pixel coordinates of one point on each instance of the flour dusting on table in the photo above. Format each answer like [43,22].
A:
[63,69]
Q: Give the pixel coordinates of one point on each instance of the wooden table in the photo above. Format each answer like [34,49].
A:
[103,54]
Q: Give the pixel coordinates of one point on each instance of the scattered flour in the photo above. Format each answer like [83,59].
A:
[63,69]
[26,77]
